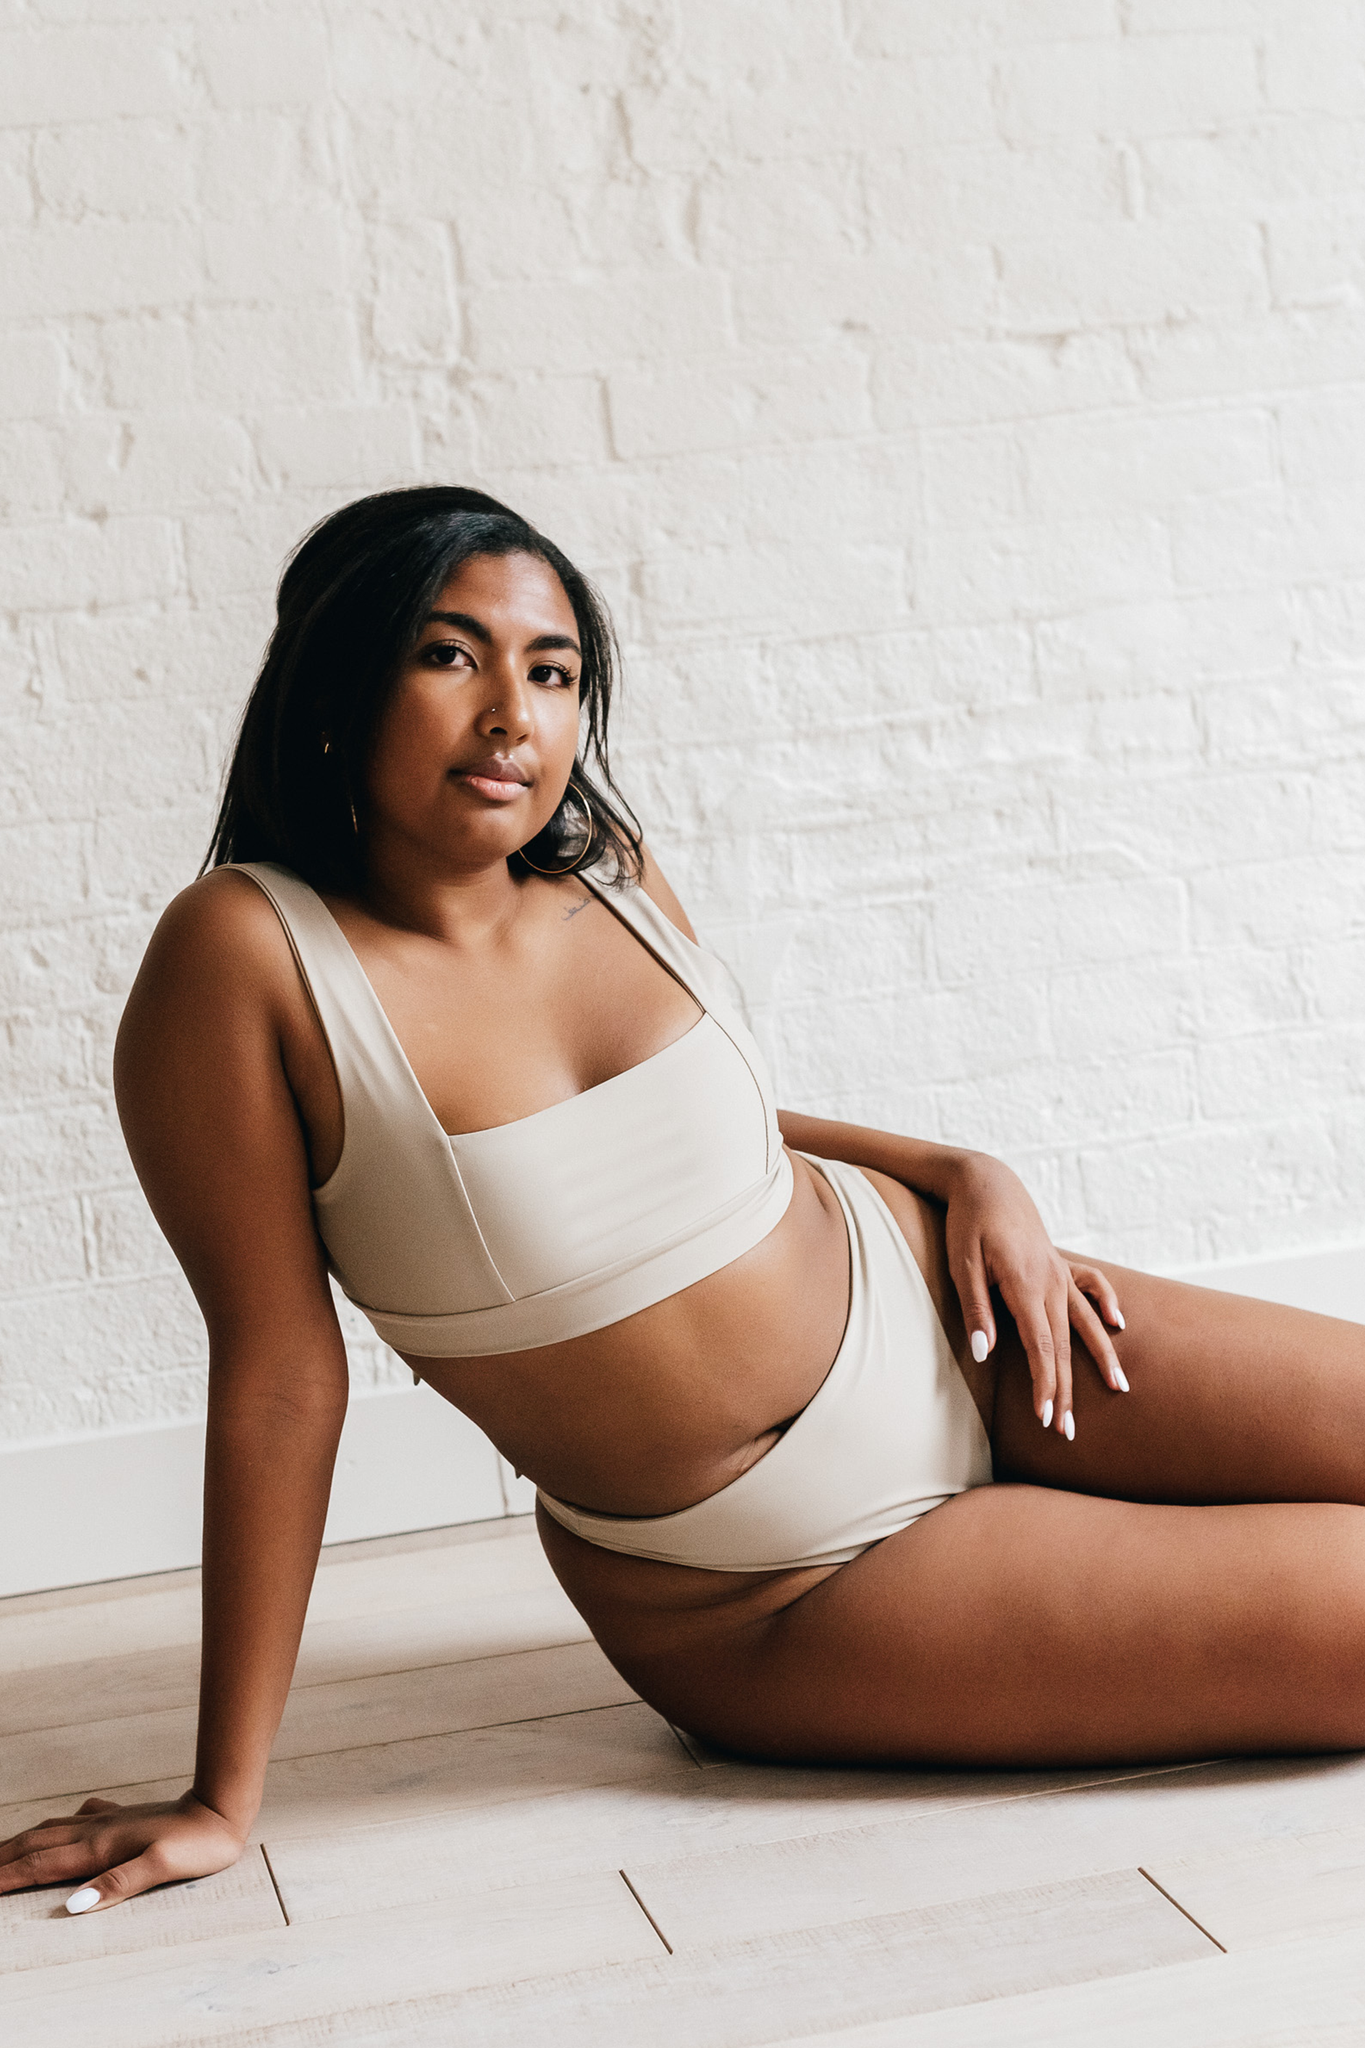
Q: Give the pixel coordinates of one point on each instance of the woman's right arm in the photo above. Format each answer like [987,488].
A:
[215,1134]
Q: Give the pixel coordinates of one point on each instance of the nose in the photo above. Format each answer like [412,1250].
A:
[506,713]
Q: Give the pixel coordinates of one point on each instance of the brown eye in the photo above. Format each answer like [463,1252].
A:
[444,654]
[551,672]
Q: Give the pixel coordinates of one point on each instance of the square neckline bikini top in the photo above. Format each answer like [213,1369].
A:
[562,1222]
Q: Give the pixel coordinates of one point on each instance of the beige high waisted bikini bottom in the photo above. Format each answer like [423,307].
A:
[891,1433]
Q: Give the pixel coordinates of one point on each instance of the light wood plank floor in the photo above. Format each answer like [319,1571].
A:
[474,1832]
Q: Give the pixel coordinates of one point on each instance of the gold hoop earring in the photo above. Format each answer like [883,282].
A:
[578,858]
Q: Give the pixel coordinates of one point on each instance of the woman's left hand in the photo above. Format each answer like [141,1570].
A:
[996,1239]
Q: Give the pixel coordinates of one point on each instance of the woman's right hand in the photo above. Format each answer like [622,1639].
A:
[120,1851]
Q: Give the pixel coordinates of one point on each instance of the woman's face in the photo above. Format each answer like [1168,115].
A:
[475,745]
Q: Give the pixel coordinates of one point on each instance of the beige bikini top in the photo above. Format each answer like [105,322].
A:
[559,1223]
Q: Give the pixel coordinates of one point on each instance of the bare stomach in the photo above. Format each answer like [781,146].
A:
[663,1409]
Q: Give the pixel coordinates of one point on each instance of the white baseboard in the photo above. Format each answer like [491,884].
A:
[1332,1283]
[123,1503]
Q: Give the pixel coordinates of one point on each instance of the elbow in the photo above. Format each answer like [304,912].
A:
[287,1394]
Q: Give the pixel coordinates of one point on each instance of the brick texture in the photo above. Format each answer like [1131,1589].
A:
[963,407]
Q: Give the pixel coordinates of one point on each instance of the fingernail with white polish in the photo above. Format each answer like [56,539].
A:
[1047,1414]
[1119,1323]
[980,1346]
[81,1902]
[1120,1379]
[1069,1427]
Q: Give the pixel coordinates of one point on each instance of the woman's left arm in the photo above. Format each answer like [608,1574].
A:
[995,1239]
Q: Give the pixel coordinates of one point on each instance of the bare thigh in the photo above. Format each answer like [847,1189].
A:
[1021,1625]
[1232,1400]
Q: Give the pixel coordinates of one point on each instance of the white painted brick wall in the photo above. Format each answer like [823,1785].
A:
[963,406]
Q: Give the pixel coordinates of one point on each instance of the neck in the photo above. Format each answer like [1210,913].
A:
[461,903]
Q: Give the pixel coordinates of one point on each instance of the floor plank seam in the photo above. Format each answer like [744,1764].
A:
[417,1670]
[645,1910]
[304,1756]
[1182,1909]
[308,1685]
[1099,1783]
[270,1872]
[683,1744]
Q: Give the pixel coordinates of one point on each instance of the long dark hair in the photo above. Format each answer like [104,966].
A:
[352,602]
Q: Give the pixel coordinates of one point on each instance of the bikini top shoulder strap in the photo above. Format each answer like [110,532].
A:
[707,979]
[372,1069]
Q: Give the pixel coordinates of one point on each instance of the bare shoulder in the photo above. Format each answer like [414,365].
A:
[220,925]
[218,949]
[216,991]
[659,892]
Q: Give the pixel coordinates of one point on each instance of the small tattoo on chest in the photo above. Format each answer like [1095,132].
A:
[574,908]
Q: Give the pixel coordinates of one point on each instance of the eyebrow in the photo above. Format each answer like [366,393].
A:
[478,631]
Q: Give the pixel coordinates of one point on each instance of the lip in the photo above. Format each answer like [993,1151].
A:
[499,781]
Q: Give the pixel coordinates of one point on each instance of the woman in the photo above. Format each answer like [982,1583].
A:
[436,1020]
